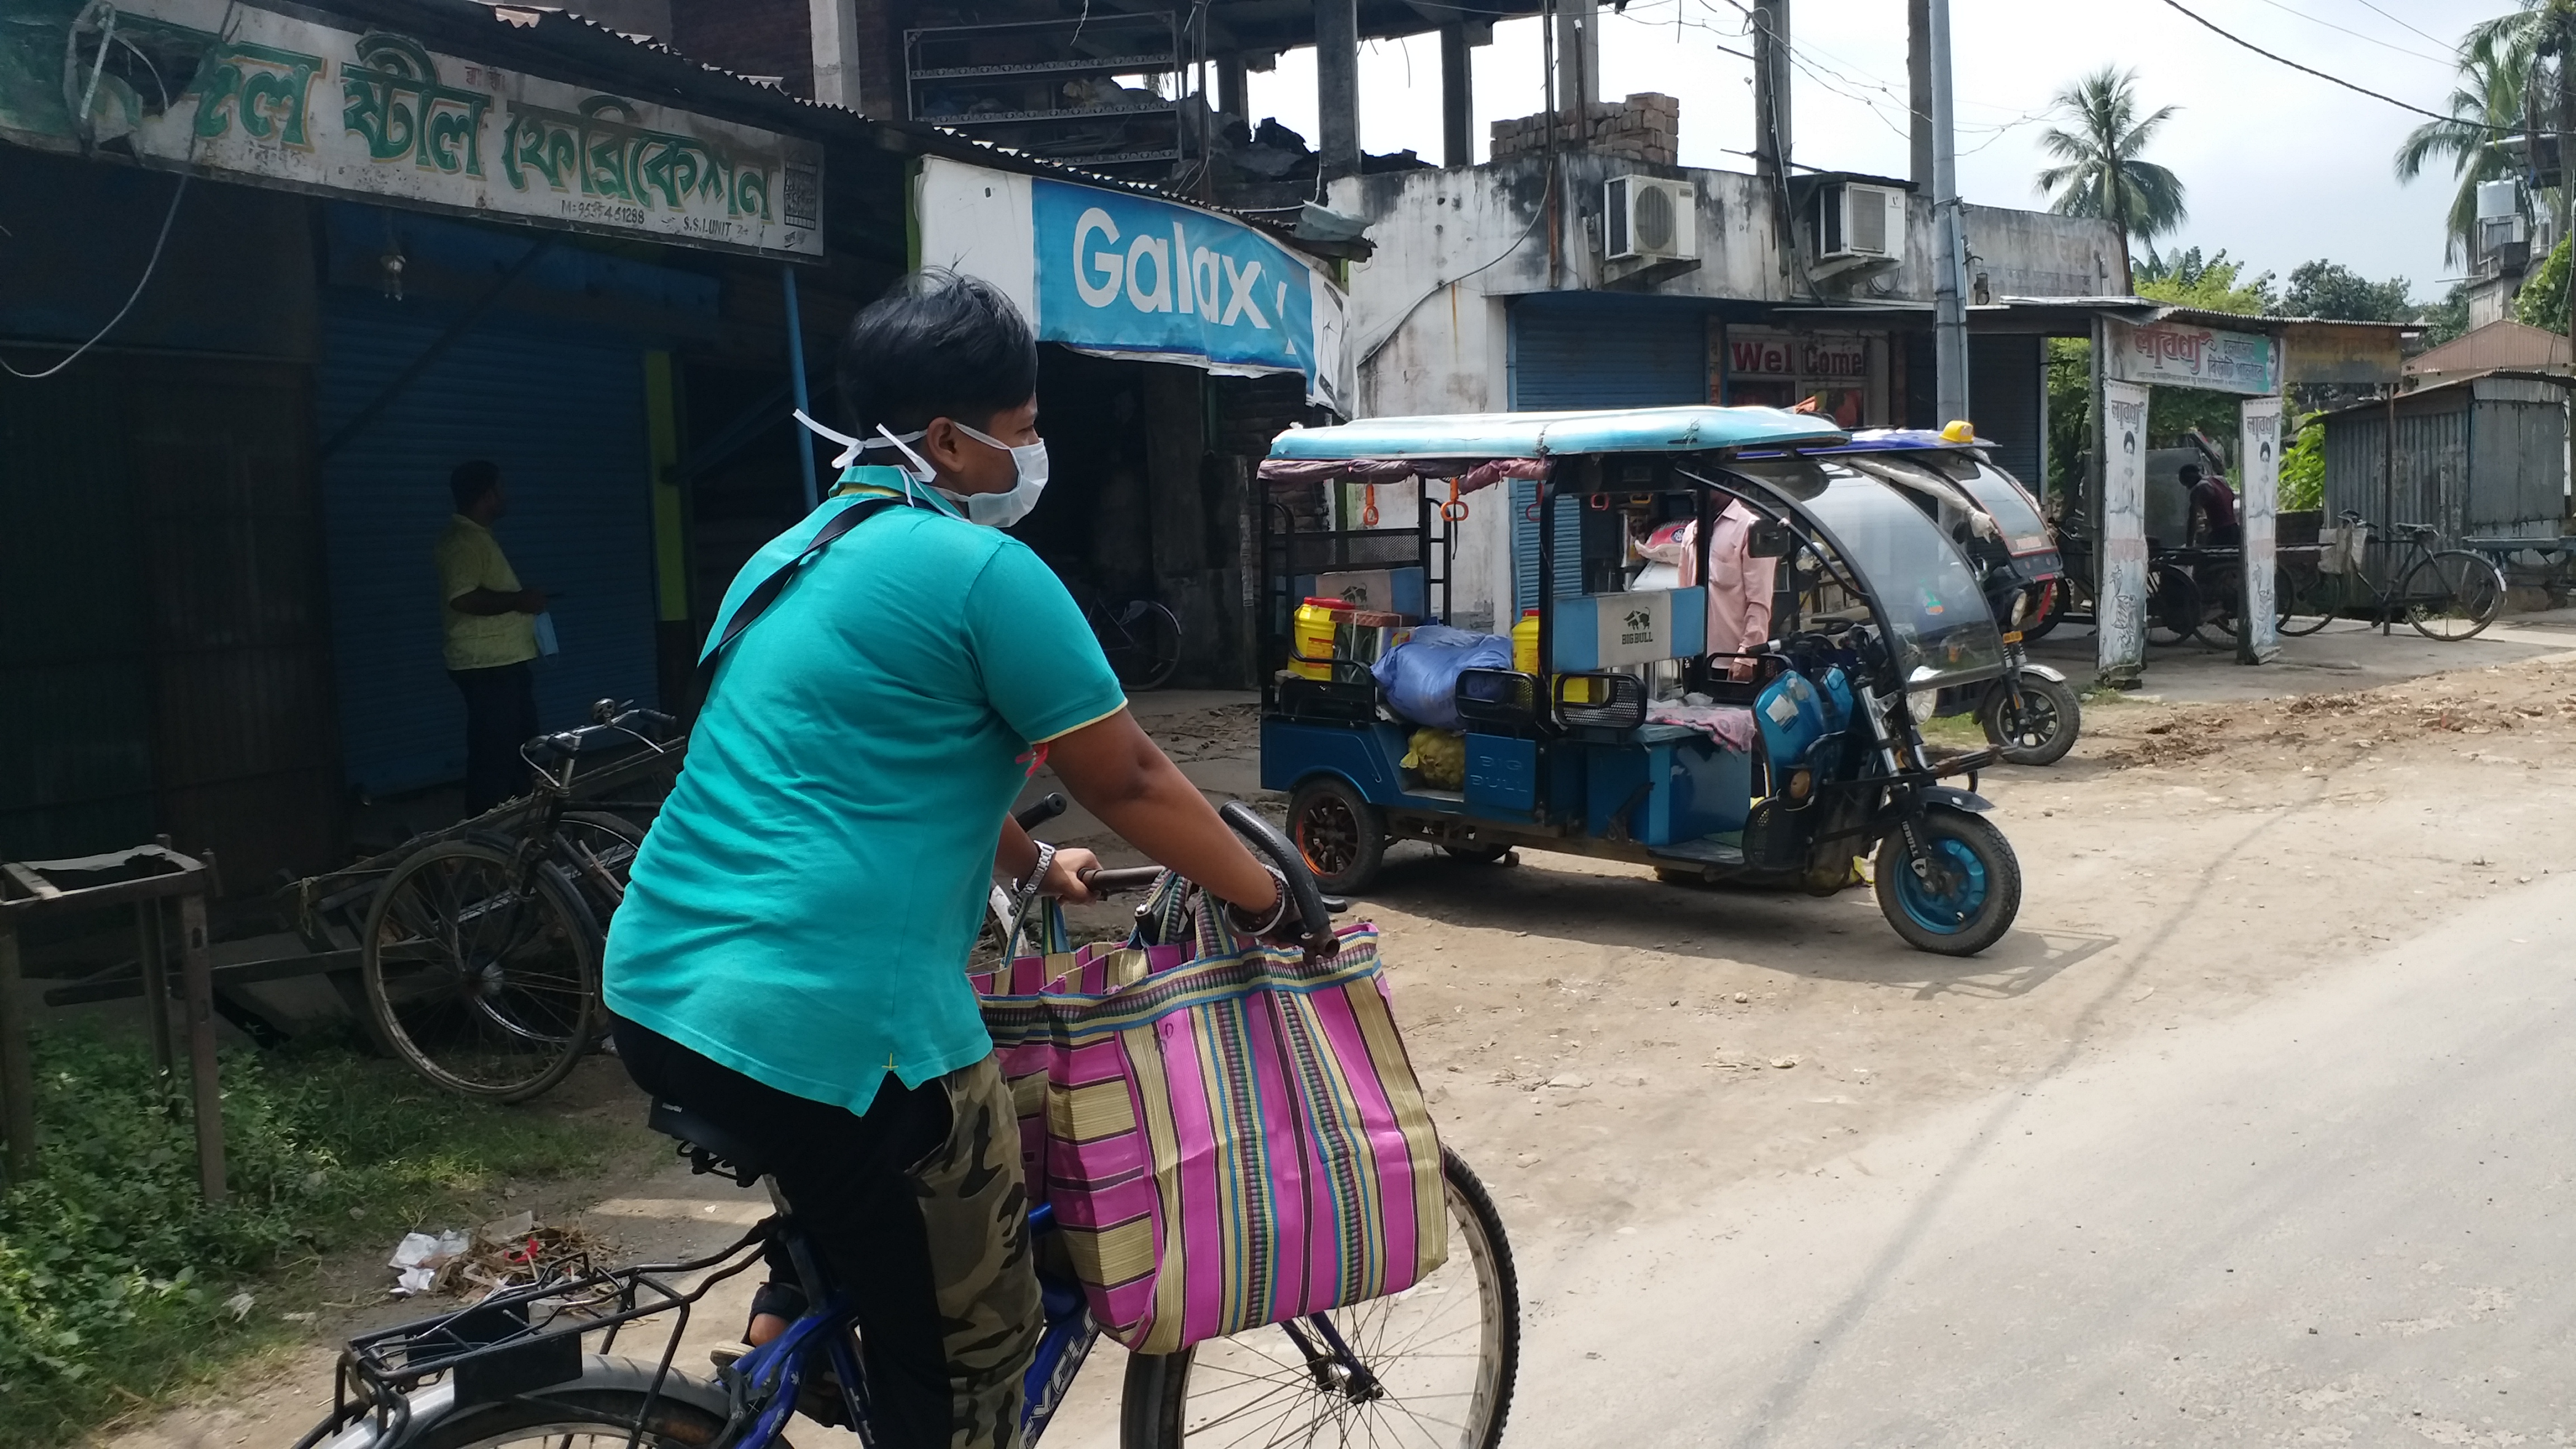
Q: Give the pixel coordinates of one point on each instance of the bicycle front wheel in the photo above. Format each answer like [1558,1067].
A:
[1436,1362]
[2453,595]
[481,975]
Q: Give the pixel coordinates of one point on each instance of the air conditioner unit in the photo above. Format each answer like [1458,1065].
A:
[1866,223]
[1647,218]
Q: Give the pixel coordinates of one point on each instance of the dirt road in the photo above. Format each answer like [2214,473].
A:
[1625,1060]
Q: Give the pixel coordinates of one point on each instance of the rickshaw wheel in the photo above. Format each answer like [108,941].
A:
[1974,909]
[2047,728]
[1341,835]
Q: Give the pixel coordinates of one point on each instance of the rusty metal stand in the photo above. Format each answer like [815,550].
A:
[142,878]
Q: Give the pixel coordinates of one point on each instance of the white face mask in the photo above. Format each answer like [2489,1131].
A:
[1001,510]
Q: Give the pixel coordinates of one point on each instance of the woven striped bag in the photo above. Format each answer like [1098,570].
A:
[1229,1135]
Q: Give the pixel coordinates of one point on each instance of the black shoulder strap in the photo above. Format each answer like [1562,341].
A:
[767,590]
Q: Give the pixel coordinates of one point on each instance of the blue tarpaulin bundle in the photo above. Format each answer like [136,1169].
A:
[1420,675]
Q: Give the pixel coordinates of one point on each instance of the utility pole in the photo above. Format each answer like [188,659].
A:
[1949,244]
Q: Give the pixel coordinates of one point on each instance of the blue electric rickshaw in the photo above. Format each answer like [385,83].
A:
[1785,761]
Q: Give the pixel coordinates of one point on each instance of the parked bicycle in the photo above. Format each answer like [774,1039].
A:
[1434,1364]
[2175,605]
[1141,638]
[480,954]
[2447,594]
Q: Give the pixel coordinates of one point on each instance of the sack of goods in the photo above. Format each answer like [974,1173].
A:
[1420,675]
[1439,757]
[1230,1134]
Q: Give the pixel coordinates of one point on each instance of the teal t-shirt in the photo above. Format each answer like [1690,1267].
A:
[803,908]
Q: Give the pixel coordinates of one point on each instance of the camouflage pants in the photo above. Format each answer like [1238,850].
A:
[919,1214]
[974,1212]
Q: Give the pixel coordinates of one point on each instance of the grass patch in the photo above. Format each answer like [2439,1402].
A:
[1959,730]
[117,1286]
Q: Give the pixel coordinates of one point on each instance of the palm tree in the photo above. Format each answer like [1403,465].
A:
[2494,72]
[2104,175]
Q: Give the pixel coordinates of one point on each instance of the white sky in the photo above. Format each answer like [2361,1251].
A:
[2278,167]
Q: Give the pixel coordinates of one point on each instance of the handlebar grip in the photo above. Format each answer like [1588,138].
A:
[657,719]
[1041,810]
[1131,878]
[1264,837]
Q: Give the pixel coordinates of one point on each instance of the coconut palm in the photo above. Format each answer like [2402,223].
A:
[2486,102]
[2104,174]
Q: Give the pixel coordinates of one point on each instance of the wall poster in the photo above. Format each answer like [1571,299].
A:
[2121,602]
[2257,507]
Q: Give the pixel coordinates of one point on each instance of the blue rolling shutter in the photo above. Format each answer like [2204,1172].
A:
[1593,350]
[561,410]
[2006,388]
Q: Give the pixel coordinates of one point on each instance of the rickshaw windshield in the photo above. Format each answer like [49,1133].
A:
[2024,530]
[1944,632]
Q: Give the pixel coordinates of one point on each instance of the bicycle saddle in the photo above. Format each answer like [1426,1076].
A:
[708,1147]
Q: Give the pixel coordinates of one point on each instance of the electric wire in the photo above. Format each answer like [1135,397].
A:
[2214,29]
[2367,5]
[2446,62]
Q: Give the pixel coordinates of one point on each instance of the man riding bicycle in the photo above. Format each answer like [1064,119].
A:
[788,963]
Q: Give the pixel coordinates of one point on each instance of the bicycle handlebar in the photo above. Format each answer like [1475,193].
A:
[1108,882]
[614,725]
[1041,810]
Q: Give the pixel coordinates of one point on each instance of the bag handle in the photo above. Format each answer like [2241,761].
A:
[766,592]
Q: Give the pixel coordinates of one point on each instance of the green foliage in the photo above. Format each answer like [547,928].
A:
[2448,319]
[2303,468]
[2213,284]
[2337,292]
[2542,302]
[113,1276]
[2496,64]
[2070,412]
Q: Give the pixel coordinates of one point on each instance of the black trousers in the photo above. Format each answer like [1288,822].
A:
[500,716]
[917,1210]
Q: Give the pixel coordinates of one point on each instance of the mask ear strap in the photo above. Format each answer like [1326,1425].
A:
[927,472]
[849,446]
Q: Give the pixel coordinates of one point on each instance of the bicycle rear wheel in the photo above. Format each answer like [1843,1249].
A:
[599,1410]
[596,850]
[1439,1361]
[1143,644]
[2174,609]
[2453,595]
[481,976]
[2302,603]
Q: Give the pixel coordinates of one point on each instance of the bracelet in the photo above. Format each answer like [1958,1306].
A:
[1037,873]
[1279,909]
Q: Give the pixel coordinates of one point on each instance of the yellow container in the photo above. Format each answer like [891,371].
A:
[1525,642]
[1311,637]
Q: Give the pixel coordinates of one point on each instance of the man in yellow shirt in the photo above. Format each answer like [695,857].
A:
[491,634]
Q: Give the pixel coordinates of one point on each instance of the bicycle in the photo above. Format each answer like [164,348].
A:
[2446,594]
[479,959]
[2174,606]
[512,1370]
[1141,638]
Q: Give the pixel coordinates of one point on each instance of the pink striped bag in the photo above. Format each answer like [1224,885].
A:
[1230,1136]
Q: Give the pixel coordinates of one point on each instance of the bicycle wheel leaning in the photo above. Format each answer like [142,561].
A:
[2453,595]
[1437,1361]
[480,975]
[1143,642]
[2174,609]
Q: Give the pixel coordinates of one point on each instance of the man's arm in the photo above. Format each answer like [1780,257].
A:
[491,601]
[1124,778]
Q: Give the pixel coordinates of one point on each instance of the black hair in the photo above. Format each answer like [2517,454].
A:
[936,345]
[471,481]
[2191,472]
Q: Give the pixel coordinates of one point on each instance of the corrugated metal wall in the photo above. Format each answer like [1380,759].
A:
[2007,393]
[165,668]
[2484,460]
[562,412]
[1593,350]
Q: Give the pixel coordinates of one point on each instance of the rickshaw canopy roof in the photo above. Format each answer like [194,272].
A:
[1485,436]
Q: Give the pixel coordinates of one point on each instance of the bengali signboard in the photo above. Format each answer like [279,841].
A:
[1126,275]
[281,100]
[2175,354]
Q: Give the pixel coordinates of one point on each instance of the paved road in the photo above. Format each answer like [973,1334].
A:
[2340,1217]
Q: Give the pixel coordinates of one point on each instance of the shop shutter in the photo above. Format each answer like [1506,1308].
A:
[561,410]
[2007,398]
[1593,350]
